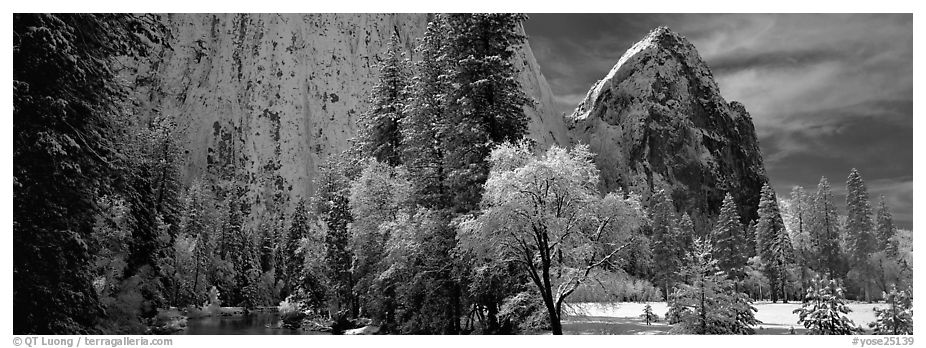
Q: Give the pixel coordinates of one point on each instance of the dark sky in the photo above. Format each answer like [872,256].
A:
[827,92]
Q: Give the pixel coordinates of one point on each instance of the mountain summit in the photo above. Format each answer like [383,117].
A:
[658,120]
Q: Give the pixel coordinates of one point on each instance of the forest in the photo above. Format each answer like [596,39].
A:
[441,218]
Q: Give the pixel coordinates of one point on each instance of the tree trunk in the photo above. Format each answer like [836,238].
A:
[547,294]
[555,325]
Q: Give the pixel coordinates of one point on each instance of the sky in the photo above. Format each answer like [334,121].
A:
[827,92]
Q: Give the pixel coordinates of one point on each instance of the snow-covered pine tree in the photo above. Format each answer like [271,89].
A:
[823,225]
[774,244]
[709,303]
[897,318]
[797,212]
[729,240]
[425,120]
[380,135]
[293,259]
[684,235]
[824,310]
[665,243]
[485,105]
[331,205]
[886,229]
[859,227]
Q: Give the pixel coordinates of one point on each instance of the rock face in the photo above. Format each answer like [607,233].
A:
[657,120]
[267,98]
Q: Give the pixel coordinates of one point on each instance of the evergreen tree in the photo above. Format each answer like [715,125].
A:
[774,245]
[66,127]
[198,221]
[823,226]
[333,208]
[292,258]
[684,235]
[859,227]
[885,229]
[824,310]
[648,316]
[897,318]
[425,123]
[486,104]
[236,245]
[380,135]
[467,99]
[666,244]
[709,303]
[798,212]
[729,244]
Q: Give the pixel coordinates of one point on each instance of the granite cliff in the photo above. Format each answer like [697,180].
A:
[658,120]
[266,98]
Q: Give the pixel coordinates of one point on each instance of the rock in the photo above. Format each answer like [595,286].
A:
[658,120]
[269,97]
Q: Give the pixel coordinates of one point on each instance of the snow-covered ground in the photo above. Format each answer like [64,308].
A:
[624,317]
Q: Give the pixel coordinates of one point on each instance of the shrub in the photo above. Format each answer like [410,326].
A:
[824,310]
[291,313]
[897,318]
[523,312]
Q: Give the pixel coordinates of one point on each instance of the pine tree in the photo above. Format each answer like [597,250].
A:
[798,212]
[774,245]
[897,318]
[67,118]
[885,229]
[709,303]
[292,258]
[380,135]
[824,310]
[729,241]
[684,235]
[237,246]
[425,122]
[823,226]
[486,104]
[331,204]
[859,226]
[198,221]
[648,315]
[467,99]
[665,242]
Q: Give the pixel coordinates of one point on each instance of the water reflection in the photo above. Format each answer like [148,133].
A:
[255,324]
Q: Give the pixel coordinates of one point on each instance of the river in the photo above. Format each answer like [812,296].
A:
[254,324]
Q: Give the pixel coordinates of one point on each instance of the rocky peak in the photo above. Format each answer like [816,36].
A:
[658,120]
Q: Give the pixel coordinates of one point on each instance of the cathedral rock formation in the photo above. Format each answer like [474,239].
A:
[658,121]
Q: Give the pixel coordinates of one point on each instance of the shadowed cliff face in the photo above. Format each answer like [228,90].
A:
[657,120]
[266,98]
